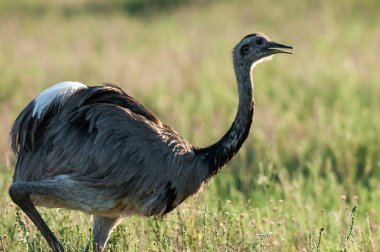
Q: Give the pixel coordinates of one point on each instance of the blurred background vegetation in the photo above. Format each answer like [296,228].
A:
[315,142]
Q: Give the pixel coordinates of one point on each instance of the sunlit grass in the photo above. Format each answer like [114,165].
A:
[313,151]
[289,217]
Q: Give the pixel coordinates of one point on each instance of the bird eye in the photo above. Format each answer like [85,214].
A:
[244,49]
[259,41]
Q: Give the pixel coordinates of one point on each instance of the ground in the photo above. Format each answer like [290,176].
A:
[307,177]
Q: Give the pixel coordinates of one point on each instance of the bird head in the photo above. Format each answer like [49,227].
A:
[255,48]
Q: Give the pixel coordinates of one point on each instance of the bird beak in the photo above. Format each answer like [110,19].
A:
[274,48]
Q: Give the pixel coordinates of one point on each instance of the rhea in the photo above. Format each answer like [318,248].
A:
[98,150]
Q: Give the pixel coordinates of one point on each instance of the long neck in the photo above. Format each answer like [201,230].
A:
[218,154]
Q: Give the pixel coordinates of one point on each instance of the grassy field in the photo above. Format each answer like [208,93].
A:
[307,178]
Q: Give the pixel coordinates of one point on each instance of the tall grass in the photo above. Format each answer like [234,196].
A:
[313,152]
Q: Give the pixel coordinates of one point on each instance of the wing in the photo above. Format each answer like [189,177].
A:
[27,128]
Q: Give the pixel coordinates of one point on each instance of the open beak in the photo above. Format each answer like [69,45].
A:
[274,48]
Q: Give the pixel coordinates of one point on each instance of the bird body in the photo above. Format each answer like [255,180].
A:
[104,145]
[98,150]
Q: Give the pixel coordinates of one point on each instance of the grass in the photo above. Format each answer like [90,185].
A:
[307,178]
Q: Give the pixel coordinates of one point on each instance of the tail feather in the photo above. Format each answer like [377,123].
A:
[24,130]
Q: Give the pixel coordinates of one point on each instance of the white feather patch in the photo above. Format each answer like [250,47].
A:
[268,58]
[59,92]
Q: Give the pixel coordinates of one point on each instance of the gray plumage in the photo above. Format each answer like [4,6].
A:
[98,150]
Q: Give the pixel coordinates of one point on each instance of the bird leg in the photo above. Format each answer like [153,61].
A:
[19,193]
[101,228]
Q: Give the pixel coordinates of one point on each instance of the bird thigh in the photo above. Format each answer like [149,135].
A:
[63,191]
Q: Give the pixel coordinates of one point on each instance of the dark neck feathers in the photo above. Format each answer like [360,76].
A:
[218,154]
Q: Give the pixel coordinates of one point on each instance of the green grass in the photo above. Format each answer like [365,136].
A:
[313,154]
